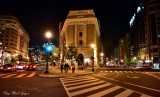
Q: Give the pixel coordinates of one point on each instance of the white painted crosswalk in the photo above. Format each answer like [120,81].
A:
[92,87]
[17,75]
[109,71]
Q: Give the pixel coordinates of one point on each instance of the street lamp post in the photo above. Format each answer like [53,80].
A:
[102,55]
[48,35]
[93,46]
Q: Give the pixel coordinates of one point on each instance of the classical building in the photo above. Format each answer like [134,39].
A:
[14,39]
[145,32]
[81,28]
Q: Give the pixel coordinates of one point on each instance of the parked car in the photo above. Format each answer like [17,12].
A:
[8,67]
[20,66]
[145,67]
[31,67]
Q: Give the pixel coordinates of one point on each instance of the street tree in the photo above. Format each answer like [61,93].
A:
[71,52]
[55,54]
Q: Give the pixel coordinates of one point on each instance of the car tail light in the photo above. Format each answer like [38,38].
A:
[34,66]
[26,66]
[9,68]
[1,68]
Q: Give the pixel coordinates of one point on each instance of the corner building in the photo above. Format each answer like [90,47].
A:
[14,39]
[81,28]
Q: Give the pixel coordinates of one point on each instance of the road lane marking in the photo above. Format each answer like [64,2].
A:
[142,87]
[144,95]
[85,85]
[132,77]
[72,78]
[83,82]
[9,75]
[78,80]
[107,91]
[125,93]
[32,74]
[152,75]
[131,84]
[20,75]
[89,89]
[2,74]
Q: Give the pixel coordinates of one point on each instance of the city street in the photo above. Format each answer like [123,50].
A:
[114,83]
[106,83]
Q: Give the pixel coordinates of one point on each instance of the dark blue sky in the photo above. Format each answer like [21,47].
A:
[38,16]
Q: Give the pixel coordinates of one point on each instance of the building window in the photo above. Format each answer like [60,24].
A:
[80,34]
[80,42]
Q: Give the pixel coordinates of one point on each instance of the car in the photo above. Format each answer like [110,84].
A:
[20,66]
[145,67]
[8,67]
[31,67]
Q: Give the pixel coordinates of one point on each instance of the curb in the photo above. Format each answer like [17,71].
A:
[42,74]
[61,76]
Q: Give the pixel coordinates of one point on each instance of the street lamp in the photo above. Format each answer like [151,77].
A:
[93,46]
[101,56]
[48,49]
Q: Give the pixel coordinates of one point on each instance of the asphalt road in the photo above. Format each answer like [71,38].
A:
[107,83]
[31,87]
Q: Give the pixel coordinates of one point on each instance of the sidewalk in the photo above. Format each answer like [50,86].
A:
[56,72]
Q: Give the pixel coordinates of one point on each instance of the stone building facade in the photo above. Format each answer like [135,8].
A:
[81,28]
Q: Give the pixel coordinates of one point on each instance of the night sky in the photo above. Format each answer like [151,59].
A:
[39,16]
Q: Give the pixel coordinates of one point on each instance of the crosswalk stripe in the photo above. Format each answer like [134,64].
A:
[20,75]
[2,74]
[81,86]
[89,89]
[32,74]
[83,82]
[125,93]
[9,75]
[143,95]
[126,71]
[102,93]
[78,80]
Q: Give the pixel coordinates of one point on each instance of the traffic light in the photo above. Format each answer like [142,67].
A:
[49,48]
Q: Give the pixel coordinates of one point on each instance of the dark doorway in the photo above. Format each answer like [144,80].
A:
[80,59]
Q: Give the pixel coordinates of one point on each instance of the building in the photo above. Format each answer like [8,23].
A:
[14,39]
[81,28]
[35,54]
[145,32]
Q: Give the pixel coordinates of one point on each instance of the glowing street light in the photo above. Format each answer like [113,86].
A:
[93,46]
[48,34]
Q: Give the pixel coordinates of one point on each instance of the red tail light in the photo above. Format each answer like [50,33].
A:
[9,68]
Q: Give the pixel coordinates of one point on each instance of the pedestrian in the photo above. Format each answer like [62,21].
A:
[61,67]
[73,67]
[66,66]
[54,64]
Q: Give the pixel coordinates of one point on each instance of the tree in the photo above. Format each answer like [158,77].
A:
[71,52]
[55,54]
[129,61]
